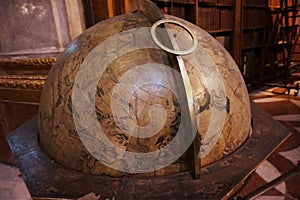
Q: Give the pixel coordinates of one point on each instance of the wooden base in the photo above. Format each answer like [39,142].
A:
[46,179]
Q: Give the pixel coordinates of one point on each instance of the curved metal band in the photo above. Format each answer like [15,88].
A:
[173,51]
[184,86]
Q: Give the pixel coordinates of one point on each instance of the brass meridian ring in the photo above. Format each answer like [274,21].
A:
[173,51]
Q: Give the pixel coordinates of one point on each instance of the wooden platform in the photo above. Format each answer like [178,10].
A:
[46,179]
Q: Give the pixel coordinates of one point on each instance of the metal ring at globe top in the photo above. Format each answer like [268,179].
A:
[176,52]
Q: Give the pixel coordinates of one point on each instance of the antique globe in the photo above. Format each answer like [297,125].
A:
[116,102]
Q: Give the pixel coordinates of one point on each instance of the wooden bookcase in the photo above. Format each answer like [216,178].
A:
[242,26]
[256,28]
[286,20]
[214,16]
[217,17]
[185,9]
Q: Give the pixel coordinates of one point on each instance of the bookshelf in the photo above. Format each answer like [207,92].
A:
[241,26]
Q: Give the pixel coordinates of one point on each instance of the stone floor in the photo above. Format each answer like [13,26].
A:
[12,186]
[284,108]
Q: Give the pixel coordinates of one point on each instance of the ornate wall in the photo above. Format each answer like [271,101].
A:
[32,34]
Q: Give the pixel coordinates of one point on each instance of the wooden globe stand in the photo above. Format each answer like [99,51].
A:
[46,179]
